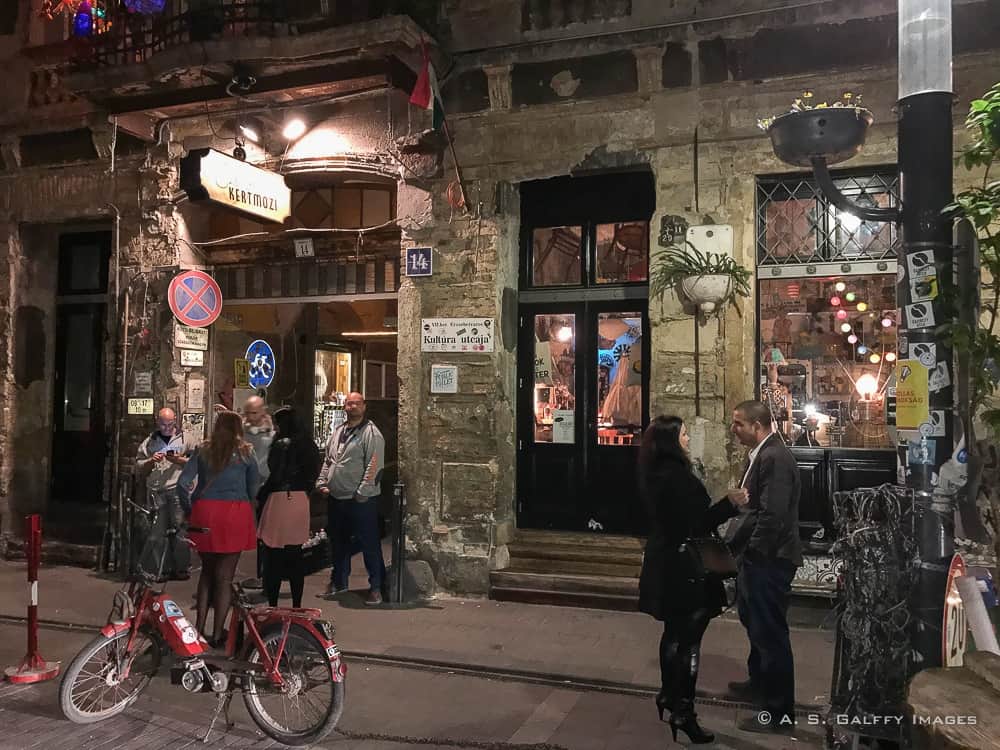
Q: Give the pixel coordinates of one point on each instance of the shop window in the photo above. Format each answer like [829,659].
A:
[619,378]
[555,378]
[828,348]
[797,224]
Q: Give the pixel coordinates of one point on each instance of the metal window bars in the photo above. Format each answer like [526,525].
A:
[797,224]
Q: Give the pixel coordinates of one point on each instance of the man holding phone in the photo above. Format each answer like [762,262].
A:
[160,459]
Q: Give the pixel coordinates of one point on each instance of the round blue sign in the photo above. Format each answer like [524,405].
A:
[262,364]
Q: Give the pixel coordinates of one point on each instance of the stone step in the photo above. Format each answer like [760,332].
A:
[519,549]
[556,566]
[618,585]
[593,600]
[536,537]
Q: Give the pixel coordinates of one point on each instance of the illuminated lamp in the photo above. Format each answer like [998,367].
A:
[875,358]
[887,322]
[867,386]
[890,356]
[845,327]
[793,289]
[294,129]
[841,314]
[564,334]
[862,349]
[862,306]
[83,22]
[840,286]
[850,296]
[835,301]
[852,339]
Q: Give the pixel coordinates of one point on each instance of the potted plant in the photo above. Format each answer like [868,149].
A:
[708,280]
[833,132]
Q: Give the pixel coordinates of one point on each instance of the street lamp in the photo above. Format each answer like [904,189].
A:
[817,138]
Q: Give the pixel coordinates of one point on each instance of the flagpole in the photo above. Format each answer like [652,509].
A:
[458,169]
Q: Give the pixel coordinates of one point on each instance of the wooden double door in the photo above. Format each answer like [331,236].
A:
[583,402]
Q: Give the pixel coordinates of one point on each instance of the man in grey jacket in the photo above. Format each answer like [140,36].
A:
[352,470]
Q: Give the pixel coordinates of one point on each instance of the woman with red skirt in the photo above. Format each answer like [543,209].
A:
[227,478]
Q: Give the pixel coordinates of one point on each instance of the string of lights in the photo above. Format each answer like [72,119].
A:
[876,552]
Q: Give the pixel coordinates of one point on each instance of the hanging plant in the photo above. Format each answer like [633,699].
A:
[710,280]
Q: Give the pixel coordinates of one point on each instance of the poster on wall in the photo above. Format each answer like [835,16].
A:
[912,399]
[140,406]
[456,335]
[444,379]
[193,429]
[241,373]
[195,400]
[192,358]
[143,382]
[563,426]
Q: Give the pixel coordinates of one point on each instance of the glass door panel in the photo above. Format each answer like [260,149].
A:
[619,378]
[554,403]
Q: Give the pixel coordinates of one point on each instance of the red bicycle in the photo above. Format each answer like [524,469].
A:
[284,661]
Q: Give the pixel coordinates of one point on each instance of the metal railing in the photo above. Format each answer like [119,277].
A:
[131,38]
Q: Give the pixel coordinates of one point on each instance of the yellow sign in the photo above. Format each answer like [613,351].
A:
[242,373]
[207,174]
[912,396]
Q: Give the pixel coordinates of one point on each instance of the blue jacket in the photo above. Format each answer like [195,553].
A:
[240,480]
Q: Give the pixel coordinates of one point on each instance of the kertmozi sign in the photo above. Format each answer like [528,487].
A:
[456,335]
[207,174]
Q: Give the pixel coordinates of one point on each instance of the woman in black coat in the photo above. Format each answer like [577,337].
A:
[672,586]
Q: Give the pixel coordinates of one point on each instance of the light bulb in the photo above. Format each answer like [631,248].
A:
[840,286]
[887,322]
[294,129]
[862,349]
[862,306]
[835,301]
[841,314]
[874,359]
[249,133]
[850,296]
[564,334]
[845,327]
[890,356]
[866,385]
[852,339]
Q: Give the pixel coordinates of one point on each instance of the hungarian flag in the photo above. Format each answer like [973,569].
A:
[426,93]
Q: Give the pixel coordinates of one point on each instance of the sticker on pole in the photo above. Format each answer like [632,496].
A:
[261,359]
[954,627]
[195,299]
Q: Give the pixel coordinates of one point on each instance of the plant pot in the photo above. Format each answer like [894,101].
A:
[833,133]
[707,291]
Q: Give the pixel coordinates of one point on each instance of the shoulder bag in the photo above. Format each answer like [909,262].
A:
[712,555]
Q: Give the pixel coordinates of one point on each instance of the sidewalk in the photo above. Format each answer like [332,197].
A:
[563,642]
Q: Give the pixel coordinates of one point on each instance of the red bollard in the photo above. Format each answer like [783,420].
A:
[33,667]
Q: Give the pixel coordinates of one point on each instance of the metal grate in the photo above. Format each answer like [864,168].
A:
[796,224]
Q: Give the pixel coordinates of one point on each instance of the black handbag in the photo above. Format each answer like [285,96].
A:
[712,556]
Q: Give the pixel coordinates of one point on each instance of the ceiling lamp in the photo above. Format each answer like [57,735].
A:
[852,339]
[835,301]
[862,306]
[890,356]
[249,133]
[862,349]
[564,334]
[845,327]
[840,286]
[875,358]
[850,296]
[887,322]
[793,289]
[841,314]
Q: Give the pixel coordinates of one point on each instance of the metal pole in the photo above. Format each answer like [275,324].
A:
[398,541]
[925,260]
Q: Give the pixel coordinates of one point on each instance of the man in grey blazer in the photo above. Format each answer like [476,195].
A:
[764,537]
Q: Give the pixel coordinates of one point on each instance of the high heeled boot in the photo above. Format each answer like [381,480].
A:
[684,718]
[667,697]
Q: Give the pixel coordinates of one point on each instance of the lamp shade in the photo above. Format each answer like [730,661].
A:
[924,47]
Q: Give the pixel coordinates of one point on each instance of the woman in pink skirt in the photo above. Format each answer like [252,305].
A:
[293,464]
[227,474]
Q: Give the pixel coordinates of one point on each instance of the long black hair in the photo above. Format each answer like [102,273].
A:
[661,453]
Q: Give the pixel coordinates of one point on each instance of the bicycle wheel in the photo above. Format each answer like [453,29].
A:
[308,706]
[92,688]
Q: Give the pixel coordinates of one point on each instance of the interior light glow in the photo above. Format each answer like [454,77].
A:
[852,339]
[862,306]
[370,333]
[249,133]
[294,128]
[841,314]
[890,356]
[840,286]
[835,301]
[875,359]
[845,327]
[564,334]
[851,296]
[866,385]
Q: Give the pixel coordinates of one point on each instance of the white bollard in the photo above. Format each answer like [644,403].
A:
[976,614]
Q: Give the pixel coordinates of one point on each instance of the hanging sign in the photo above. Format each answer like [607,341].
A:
[912,399]
[261,361]
[192,358]
[456,335]
[186,337]
[241,373]
[143,382]
[195,299]
[207,174]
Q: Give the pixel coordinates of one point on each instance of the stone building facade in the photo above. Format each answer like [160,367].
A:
[532,89]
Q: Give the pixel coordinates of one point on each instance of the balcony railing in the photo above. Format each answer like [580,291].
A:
[130,38]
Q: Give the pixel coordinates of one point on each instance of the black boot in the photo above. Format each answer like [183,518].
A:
[664,702]
[684,717]
[688,724]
